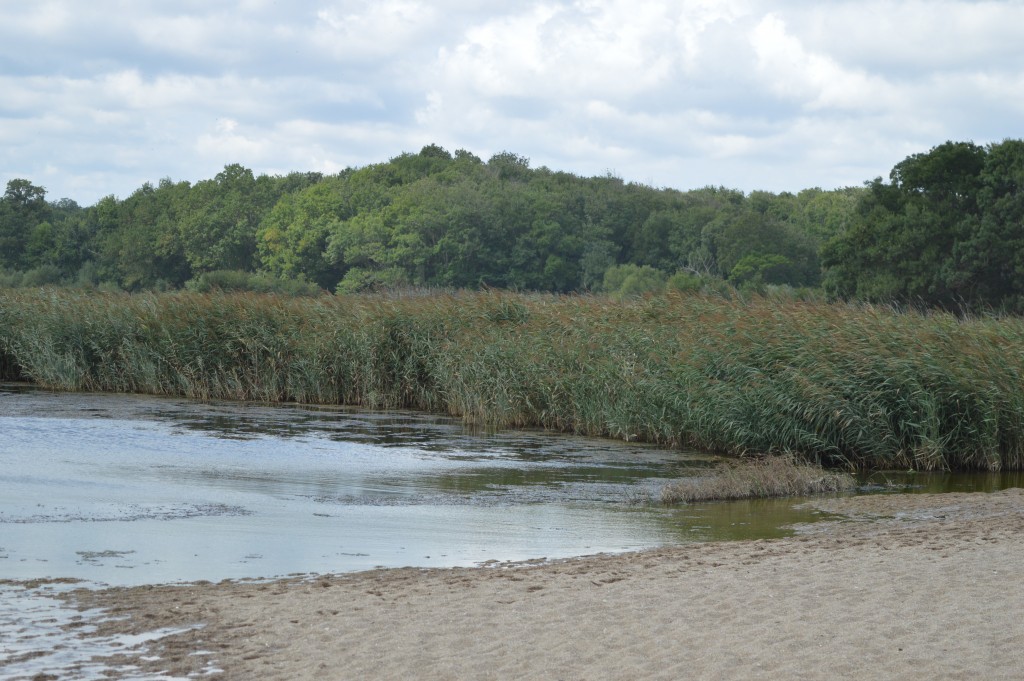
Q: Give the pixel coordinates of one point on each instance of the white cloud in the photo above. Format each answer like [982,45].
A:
[611,50]
[40,19]
[99,97]
[370,29]
[226,140]
[813,79]
[919,36]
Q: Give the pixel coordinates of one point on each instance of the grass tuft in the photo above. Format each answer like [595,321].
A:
[775,476]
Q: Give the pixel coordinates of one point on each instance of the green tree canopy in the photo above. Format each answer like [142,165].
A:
[22,208]
[946,230]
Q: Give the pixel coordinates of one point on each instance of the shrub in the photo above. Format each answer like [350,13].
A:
[685,282]
[238,280]
[633,280]
[360,280]
[43,275]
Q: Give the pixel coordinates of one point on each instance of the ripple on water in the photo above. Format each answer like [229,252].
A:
[42,634]
[121,513]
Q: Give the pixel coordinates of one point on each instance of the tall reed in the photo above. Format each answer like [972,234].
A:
[855,386]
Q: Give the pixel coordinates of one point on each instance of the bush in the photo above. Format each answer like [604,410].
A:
[238,280]
[10,278]
[360,280]
[633,280]
[43,275]
[685,282]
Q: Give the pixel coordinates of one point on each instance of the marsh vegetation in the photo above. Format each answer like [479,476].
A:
[852,386]
[758,478]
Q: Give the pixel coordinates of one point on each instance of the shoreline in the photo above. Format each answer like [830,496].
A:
[917,586]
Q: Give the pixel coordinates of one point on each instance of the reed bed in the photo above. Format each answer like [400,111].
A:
[759,478]
[859,387]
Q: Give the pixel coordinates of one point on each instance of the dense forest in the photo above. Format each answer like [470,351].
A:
[947,230]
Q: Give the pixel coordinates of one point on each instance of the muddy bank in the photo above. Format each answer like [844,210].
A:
[910,587]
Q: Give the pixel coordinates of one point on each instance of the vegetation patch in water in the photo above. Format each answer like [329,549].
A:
[763,477]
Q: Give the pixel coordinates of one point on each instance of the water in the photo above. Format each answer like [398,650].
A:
[41,637]
[126,490]
[129,490]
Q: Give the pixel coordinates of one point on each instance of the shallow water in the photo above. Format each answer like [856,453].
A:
[125,490]
[42,637]
[128,490]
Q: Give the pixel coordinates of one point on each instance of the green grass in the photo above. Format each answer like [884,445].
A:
[851,386]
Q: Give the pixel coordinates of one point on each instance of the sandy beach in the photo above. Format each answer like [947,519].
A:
[902,587]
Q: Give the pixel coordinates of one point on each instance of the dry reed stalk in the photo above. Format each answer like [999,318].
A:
[773,476]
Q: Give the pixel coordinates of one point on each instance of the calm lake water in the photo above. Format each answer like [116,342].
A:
[128,490]
[124,490]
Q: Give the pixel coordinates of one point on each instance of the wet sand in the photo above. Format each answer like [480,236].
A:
[908,587]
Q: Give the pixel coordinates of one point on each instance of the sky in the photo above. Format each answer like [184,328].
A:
[99,97]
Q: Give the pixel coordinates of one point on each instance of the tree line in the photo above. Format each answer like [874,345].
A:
[945,230]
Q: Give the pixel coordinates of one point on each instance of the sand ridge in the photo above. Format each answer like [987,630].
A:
[909,587]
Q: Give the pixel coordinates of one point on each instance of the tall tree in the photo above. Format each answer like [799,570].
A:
[218,226]
[917,238]
[990,260]
[22,208]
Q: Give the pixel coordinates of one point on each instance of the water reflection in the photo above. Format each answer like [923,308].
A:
[166,489]
[934,482]
[182,490]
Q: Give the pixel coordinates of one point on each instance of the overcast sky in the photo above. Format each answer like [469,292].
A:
[98,97]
